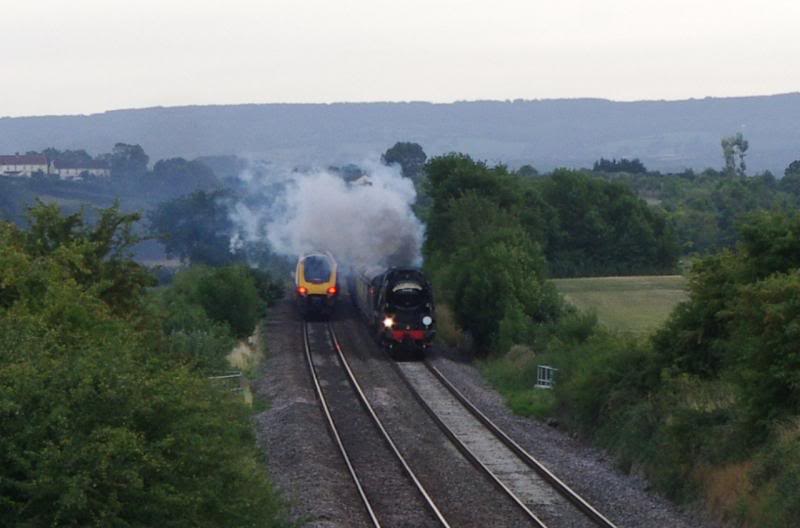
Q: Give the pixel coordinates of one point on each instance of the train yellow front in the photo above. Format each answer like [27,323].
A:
[316,284]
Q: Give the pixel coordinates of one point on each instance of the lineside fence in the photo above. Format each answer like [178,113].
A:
[545,376]
[232,381]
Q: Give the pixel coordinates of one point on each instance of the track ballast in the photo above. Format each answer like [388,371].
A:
[391,493]
[547,500]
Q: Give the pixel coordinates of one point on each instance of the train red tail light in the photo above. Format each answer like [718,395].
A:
[302,290]
[332,290]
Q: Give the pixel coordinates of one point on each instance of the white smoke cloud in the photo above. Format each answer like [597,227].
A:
[366,222]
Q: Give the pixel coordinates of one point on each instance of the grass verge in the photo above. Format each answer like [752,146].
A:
[514,376]
[634,305]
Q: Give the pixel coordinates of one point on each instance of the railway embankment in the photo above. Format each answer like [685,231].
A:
[626,499]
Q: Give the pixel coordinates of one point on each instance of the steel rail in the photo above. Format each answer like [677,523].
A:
[334,432]
[468,454]
[565,491]
[365,403]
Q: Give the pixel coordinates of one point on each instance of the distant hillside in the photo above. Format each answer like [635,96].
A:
[574,133]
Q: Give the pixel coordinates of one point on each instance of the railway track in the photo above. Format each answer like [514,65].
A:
[530,485]
[386,482]
[390,491]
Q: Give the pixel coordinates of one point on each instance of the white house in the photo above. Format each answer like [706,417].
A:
[75,171]
[23,166]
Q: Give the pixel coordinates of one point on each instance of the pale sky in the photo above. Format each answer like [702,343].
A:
[85,56]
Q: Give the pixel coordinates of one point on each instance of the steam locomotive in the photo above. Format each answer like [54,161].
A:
[398,306]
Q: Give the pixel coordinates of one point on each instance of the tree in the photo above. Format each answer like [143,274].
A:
[67,156]
[603,228]
[793,168]
[767,179]
[196,228]
[791,179]
[527,170]
[734,149]
[500,275]
[100,252]
[177,173]
[455,175]
[696,336]
[409,156]
[633,166]
[128,160]
[483,258]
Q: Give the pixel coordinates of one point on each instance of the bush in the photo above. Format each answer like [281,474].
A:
[499,279]
[602,376]
[515,327]
[765,334]
[447,331]
[269,290]
[572,327]
[203,350]
[515,376]
[206,309]
[776,477]
[101,433]
[227,295]
[99,424]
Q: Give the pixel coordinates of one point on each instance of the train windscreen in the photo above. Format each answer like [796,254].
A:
[407,295]
[316,269]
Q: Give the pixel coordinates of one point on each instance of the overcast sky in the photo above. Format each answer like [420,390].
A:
[84,56]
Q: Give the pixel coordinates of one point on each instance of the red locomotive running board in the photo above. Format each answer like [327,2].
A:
[402,335]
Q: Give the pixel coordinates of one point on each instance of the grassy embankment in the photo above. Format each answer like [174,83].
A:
[632,308]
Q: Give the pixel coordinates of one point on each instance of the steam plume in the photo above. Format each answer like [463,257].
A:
[365,222]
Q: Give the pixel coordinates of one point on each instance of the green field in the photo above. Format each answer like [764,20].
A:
[630,304]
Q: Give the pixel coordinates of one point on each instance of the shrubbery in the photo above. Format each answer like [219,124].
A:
[716,389]
[101,423]
[98,432]
[205,310]
[227,295]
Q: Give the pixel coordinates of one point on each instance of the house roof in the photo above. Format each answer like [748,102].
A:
[83,165]
[36,159]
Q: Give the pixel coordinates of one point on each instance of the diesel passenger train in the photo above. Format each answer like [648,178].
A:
[316,281]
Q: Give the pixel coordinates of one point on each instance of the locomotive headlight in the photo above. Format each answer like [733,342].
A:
[427,320]
[388,322]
